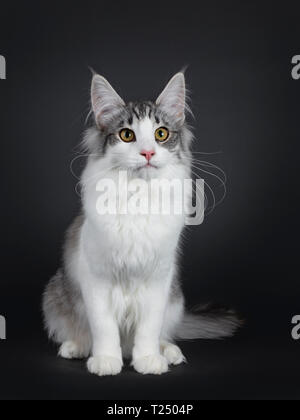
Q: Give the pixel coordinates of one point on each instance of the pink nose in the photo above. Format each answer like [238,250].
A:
[148,154]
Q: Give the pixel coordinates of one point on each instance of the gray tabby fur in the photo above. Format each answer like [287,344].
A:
[64,311]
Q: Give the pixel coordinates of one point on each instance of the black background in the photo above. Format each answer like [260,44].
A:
[246,253]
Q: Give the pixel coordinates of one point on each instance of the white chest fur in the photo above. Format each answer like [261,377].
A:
[129,244]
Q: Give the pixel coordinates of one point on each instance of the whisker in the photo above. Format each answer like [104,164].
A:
[223,183]
[222,178]
[79,156]
[90,179]
[217,203]
[209,165]
[72,163]
[206,197]
[207,153]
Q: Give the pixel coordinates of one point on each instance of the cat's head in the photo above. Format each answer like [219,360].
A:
[142,137]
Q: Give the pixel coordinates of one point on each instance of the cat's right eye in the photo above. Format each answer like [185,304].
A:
[127,135]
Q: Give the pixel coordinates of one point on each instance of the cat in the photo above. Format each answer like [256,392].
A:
[118,294]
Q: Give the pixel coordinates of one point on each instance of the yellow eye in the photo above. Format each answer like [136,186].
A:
[162,134]
[127,135]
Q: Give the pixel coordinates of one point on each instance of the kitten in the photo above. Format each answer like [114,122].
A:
[118,293]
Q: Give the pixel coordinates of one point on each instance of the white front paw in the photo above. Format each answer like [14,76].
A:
[104,366]
[151,365]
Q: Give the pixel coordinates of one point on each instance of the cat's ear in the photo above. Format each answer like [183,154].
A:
[173,99]
[106,102]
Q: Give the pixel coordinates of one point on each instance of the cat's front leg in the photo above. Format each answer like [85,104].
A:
[106,357]
[147,358]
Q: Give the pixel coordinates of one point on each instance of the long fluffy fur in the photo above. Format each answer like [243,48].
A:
[209,323]
[118,293]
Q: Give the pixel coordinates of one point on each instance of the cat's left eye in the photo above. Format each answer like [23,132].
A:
[162,134]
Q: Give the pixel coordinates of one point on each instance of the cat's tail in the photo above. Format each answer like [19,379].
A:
[207,322]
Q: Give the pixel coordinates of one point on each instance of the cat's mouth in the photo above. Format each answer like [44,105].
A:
[147,166]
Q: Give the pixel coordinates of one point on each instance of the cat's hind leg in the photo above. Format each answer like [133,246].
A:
[65,318]
[73,350]
[173,317]
[172,353]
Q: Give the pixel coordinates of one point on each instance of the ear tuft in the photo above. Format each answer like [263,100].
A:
[106,102]
[173,99]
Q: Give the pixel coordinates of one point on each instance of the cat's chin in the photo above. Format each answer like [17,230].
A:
[147,171]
